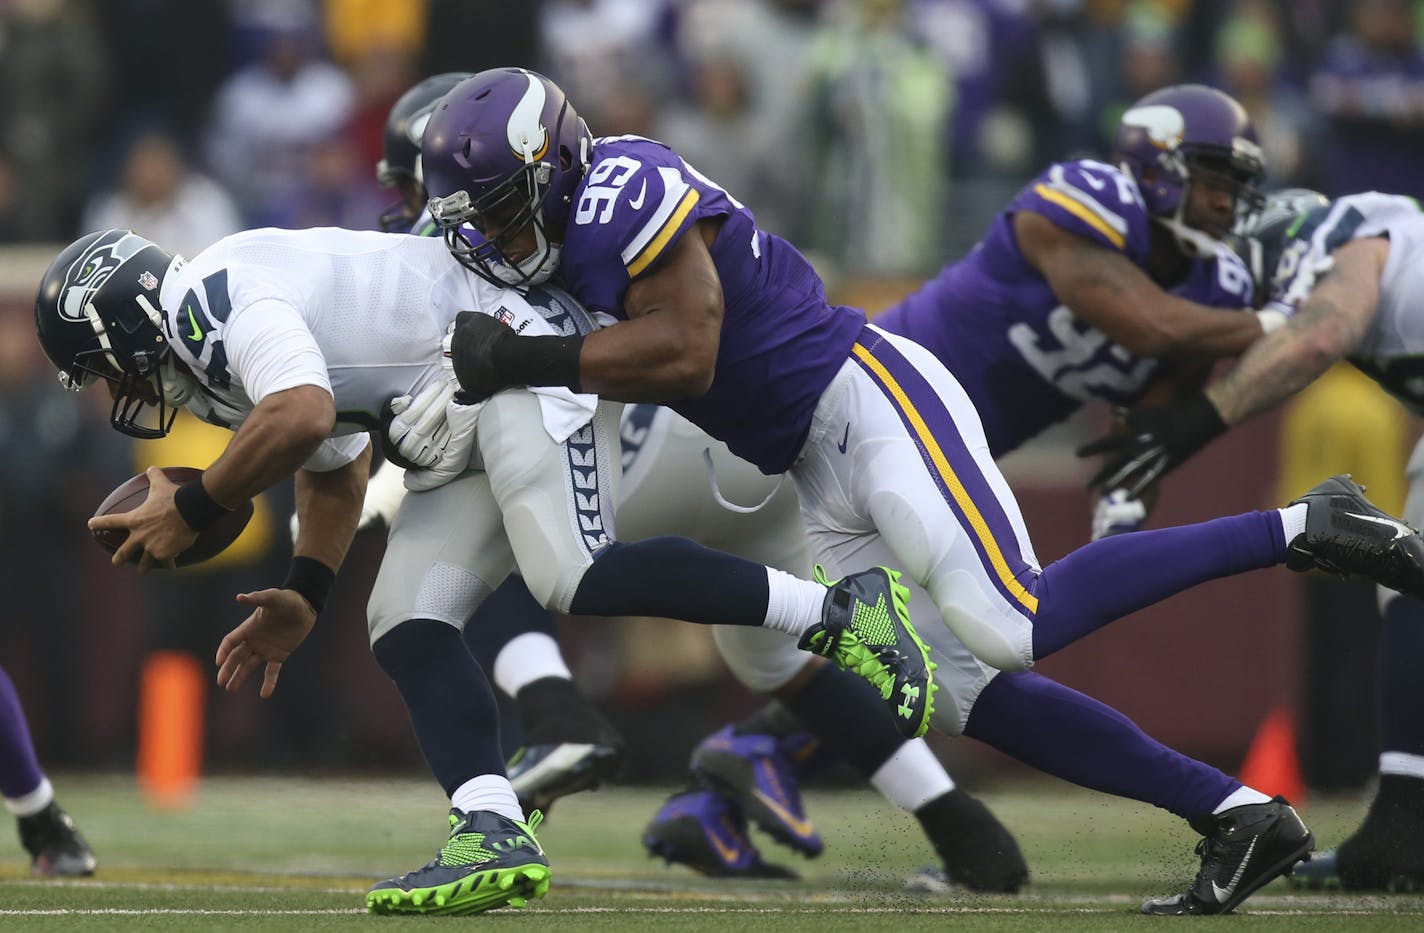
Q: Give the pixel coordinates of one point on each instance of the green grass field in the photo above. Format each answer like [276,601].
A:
[291,854]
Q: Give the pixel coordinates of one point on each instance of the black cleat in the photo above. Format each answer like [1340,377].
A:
[1348,536]
[543,773]
[55,846]
[1243,849]
[978,851]
[1385,855]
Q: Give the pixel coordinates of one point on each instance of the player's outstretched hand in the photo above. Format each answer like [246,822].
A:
[1152,442]
[280,622]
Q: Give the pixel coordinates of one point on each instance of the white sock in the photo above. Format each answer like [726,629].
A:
[488,792]
[1402,764]
[525,659]
[1240,797]
[1293,520]
[912,777]
[793,605]
[33,802]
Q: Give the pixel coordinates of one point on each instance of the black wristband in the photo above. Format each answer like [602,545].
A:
[198,509]
[311,579]
[1198,422]
[538,361]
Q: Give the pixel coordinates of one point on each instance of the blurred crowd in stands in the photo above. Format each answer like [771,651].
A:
[880,135]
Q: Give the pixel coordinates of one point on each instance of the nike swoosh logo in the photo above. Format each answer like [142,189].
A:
[802,828]
[1220,893]
[727,853]
[637,203]
[845,439]
[1400,529]
[197,333]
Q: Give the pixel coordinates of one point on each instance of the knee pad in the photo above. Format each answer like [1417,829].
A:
[444,593]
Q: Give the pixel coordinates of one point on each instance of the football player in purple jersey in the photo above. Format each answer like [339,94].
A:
[730,326]
[567,746]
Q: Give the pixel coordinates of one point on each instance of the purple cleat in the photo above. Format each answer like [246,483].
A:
[707,833]
[756,772]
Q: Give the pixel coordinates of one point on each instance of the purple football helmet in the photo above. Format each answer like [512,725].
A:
[1186,133]
[503,151]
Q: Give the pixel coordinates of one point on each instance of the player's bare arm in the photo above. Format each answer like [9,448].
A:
[666,349]
[329,504]
[1108,291]
[668,346]
[1325,329]
[329,508]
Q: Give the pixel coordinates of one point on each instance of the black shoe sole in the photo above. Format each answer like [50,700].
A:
[599,765]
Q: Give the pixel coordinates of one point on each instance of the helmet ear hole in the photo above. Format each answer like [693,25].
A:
[566,158]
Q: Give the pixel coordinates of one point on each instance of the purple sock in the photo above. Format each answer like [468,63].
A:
[1112,577]
[19,768]
[1072,736]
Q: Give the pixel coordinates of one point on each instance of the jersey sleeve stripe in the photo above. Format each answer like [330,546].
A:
[678,200]
[1083,212]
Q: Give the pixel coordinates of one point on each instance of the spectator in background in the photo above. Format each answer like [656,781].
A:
[160,197]
[767,44]
[379,45]
[1369,86]
[881,102]
[1248,59]
[271,113]
[1148,60]
[594,49]
[333,187]
[53,68]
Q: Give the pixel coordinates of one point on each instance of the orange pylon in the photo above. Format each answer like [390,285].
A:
[1272,763]
[172,696]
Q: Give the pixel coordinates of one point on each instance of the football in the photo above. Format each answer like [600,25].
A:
[211,541]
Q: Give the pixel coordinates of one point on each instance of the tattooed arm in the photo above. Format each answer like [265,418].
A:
[1328,325]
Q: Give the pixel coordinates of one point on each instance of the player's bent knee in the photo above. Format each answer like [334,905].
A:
[444,593]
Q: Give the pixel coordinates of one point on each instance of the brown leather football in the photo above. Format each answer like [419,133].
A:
[212,540]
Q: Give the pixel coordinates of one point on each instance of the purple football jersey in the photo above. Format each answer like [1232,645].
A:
[1026,360]
[781,344]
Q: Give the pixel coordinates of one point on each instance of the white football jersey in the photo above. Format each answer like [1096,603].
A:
[359,314]
[1392,349]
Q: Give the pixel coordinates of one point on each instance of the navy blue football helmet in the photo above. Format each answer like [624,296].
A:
[98,317]
[400,148]
[502,152]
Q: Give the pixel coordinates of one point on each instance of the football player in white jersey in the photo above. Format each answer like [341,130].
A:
[1350,273]
[297,341]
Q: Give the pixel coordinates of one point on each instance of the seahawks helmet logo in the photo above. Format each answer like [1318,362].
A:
[92,269]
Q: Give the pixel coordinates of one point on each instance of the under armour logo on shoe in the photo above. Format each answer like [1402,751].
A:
[911,693]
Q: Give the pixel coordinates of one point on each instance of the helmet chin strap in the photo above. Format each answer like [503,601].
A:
[175,381]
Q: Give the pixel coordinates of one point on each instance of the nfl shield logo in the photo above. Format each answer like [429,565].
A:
[147,280]
[505,317]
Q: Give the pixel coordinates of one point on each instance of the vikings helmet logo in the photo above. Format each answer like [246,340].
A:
[529,138]
[1163,125]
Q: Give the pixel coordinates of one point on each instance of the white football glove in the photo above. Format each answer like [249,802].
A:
[461,421]
[384,493]
[1117,513]
[419,431]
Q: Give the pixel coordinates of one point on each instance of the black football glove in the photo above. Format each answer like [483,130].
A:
[473,348]
[1155,441]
